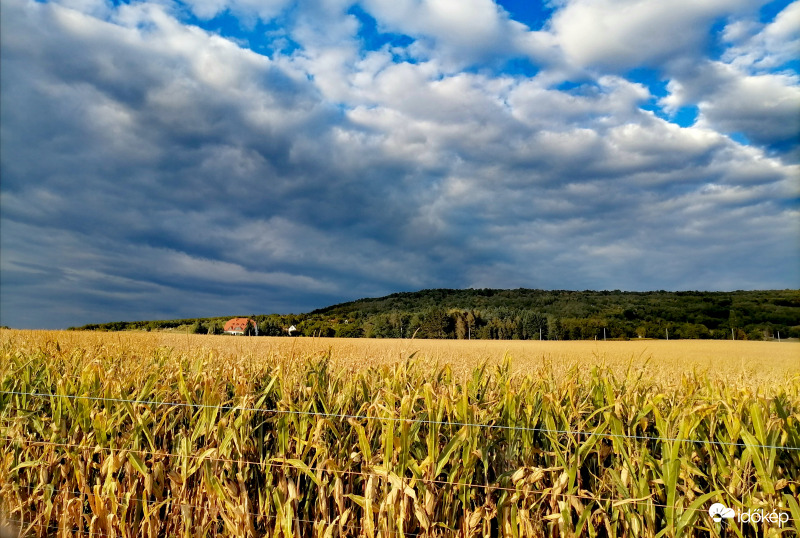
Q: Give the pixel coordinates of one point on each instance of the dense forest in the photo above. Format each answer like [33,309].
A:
[527,314]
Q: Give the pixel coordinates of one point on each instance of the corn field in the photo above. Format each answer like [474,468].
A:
[100,437]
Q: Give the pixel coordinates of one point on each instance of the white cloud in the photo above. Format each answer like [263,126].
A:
[623,34]
[96,8]
[263,9]
[460,32]
[177,160]
[610,97]
[474,24]
[759,47]
[763,107]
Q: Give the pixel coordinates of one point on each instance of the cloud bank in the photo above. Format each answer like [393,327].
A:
[164,160]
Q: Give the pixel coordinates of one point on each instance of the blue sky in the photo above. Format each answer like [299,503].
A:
[178,159]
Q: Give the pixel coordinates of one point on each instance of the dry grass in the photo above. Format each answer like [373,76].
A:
[605,439]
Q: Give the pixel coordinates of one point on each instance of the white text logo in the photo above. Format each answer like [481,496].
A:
[719,511]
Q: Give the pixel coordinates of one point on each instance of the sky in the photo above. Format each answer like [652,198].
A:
[164,159]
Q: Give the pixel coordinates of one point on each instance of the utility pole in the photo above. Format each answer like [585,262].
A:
[667,330]
[604,334]
[733,336]
[779,337]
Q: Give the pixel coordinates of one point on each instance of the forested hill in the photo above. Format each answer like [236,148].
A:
[531,314]
[701,306]
[563,314]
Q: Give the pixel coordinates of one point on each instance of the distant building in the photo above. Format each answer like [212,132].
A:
[291,329]
[238,325]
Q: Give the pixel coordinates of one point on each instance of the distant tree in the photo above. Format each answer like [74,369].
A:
[379,326]
[250,329]
[269,327]
[472,321]
[461,325]
[349,330]
[554,329]
[414,327]
[316,327]
[540,325]
[506,328]
[436,323]
[401,321]
[756,334]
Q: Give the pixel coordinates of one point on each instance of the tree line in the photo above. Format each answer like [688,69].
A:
[528,315]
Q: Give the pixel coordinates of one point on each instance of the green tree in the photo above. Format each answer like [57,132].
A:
[436,323]
[471,320]
[461,325]
[554,328]
[349,330]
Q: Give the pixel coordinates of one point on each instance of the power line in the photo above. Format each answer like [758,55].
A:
[396,419]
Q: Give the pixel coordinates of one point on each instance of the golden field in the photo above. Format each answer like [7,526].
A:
[165,434]
[756,362]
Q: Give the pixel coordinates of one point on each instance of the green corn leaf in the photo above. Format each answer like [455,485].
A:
[691,513]
[449,448]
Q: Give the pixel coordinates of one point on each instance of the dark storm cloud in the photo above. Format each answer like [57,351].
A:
[151,169]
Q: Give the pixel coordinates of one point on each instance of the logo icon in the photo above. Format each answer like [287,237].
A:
[719,511]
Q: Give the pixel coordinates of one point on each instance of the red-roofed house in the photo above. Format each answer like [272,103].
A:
[238,325]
